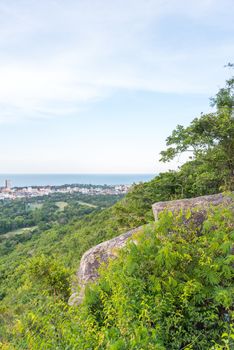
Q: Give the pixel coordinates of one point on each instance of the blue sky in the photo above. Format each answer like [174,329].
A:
[96,86]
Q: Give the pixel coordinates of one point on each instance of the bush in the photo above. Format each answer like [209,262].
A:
[171,290]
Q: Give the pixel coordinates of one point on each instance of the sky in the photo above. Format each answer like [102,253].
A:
[97,86]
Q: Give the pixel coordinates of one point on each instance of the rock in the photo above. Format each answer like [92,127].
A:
[201,204]
[101,253]
[93,258]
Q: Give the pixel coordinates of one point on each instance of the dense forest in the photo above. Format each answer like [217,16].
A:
[44,211]
[171,290]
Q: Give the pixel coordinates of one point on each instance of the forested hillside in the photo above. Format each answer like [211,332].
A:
[173,290]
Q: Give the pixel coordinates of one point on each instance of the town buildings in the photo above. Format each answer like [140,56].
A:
[8,192]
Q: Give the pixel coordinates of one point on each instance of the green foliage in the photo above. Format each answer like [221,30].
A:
[50,275]
[171,290]
[36,272]
[44,211]
[225,96]
[210,139]
[14,215]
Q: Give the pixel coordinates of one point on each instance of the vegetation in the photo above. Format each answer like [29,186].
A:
[210,140]
[45,211]
[171,290]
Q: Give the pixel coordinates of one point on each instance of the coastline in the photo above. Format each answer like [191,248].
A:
[25,180]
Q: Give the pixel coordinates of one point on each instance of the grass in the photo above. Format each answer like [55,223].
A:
[87,204]
[19,231]
[61,205]
[36,205]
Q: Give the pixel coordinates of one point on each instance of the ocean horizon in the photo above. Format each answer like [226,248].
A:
[25,180]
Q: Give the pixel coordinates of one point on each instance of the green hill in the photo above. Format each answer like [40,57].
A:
[173,290]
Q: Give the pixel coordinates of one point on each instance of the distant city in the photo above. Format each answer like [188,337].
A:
[9,192]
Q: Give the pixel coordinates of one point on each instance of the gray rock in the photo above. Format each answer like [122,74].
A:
[199,203]
[93,258]
[101,253]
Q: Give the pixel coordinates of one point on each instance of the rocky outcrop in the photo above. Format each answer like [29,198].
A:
[94,257]
[200,204]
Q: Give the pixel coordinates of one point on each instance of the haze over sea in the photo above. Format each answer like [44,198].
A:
[24,180]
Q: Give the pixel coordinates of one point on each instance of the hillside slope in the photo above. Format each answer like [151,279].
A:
[172,290]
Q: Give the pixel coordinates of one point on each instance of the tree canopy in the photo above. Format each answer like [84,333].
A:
[209,138]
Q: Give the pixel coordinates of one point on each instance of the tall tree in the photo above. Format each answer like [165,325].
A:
[209,138]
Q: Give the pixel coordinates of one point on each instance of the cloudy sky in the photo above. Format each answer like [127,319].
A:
[96,86]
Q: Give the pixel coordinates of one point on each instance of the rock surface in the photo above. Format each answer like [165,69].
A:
[101,253]
[201,203]
[93,258]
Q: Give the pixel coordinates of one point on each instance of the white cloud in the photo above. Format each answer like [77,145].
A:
[57,56]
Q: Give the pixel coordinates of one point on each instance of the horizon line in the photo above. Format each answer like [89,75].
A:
[78,173]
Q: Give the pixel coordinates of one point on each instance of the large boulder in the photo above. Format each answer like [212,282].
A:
[93,258]
[101,253]
[197,204]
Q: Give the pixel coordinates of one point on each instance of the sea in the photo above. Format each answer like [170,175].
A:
[25,180]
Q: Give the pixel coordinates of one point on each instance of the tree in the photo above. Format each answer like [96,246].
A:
[50,273]
[209,138]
